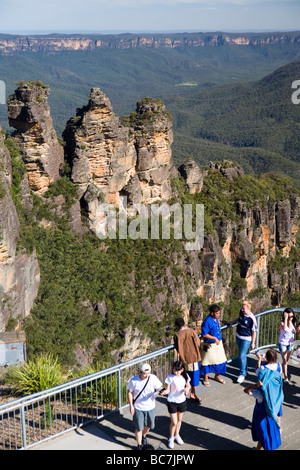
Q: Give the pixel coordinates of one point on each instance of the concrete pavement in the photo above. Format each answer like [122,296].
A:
[221,422]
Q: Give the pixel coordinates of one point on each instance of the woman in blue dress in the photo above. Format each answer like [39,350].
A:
[266,430]
[213,358]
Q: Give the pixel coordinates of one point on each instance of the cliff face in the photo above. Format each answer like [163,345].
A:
[252,221]
[12,44]
[246,245]
[19,272]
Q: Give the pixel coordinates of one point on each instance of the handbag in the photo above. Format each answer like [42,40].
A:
[135,399]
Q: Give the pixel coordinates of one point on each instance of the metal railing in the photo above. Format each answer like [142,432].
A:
[35,418]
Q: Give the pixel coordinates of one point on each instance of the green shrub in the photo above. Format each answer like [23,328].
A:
[104,389]
[36,375]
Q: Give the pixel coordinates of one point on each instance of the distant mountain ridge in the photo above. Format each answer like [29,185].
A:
[56,42]
[255,124]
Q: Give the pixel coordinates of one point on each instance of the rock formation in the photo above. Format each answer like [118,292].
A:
[29,114]
[112,160]
[19,272]
[245,247]
[100,149]
[154,137]
[193,176]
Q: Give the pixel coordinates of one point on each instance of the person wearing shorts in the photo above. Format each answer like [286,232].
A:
[288,328]
[141,390]
[178,386]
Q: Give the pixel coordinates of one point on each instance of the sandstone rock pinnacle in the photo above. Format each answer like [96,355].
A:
[113,159]
[29,114]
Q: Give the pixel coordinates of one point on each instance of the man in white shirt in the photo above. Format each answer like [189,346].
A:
[141,389]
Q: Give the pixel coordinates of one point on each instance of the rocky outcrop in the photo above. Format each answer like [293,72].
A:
[19,272]
[238,261]
[10,44]
[100,149]
[29,114]
[119,162]
[228,169]
[154,137]
[193,176]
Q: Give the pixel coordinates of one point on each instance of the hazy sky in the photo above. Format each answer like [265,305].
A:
[148,15]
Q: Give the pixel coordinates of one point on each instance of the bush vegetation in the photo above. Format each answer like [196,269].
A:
[35,375]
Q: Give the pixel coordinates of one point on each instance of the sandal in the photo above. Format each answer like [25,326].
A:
[206,384]
[221,381]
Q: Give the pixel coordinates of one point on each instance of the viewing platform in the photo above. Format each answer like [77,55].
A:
[92,412]
[221,422]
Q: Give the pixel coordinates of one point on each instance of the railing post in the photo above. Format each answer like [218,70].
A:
[23,425]
[257,334]
[119,390]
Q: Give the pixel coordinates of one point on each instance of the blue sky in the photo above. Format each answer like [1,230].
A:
[148,15]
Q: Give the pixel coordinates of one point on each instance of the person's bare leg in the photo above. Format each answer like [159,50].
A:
[284,357]
[289,353]
[140,434]
[205,380]
[145,431]
[138,437]
[219,379]
[194,396]
[179,423]
[173,424]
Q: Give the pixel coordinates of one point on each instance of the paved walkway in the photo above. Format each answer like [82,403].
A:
[222,422]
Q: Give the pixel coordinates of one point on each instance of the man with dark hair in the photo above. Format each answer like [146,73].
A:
[187,344]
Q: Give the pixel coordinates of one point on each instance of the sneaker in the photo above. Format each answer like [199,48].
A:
[171,443]
[178,440]
[144,440]
[240,379]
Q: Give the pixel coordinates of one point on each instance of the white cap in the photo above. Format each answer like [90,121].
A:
[145,368]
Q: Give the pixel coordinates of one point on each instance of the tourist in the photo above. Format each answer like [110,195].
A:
[288,328]
[178,386]
[212,350]
[141,389]
[245,336]
[187,344]
[266,430]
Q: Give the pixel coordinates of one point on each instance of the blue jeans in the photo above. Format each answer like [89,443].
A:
[243,345]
